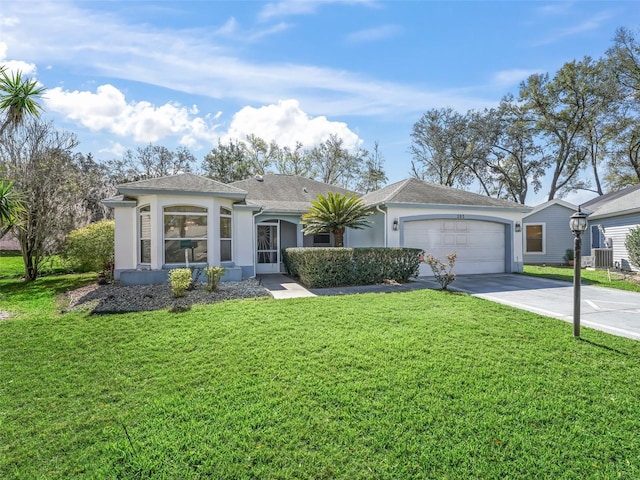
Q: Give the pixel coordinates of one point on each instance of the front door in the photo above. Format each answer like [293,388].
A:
[268,255]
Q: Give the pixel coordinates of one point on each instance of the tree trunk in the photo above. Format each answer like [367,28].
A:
[338,237]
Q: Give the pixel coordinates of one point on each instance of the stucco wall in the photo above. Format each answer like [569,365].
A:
[368,237]
[126,233]
[507,217]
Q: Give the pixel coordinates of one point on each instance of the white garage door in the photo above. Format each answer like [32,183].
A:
[479,245]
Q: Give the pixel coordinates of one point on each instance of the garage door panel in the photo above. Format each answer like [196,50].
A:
[479,245]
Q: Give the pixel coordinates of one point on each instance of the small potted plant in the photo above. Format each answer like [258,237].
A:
[568,256]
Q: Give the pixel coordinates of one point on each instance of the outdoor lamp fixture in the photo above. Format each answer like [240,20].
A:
[518,227]
[577,224]
[395,225]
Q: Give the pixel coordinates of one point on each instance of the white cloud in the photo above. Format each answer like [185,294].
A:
[108,110]
[106,45]
[301,7]
[14,66]
[587,25]
[556,8]
[115,148]
[374,34]
[9,21]
[288,8]
[507,78]
[286,123]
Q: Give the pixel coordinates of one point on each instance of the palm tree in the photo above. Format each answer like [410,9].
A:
[335,213]
[18,98]
[10,206]
[17,101]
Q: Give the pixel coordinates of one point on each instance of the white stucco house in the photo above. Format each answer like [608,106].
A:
[167,222]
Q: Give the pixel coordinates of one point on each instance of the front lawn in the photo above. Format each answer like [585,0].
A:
[12,265]
[588,277]
[422,384]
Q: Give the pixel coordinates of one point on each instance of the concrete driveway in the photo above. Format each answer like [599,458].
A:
[606,309]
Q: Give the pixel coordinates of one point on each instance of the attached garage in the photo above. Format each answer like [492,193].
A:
[480,245]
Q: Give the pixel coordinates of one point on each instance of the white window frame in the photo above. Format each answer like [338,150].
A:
[222,212]
[544,238]
[144,211]
[166,210]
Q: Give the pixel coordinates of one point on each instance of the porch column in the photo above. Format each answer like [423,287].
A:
[300,235]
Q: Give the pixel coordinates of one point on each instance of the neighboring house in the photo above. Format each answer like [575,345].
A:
[546,233]
[166,222]
[610,218]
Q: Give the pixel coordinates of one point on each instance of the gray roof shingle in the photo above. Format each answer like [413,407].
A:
[414,191]
[183,183]
[620,202]
[285,193]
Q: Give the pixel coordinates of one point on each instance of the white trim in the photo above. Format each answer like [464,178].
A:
[166,210]
[139,238]
[544,237]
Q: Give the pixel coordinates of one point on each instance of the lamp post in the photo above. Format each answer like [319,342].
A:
[577,224]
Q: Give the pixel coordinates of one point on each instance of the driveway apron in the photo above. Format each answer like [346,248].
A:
[607,309]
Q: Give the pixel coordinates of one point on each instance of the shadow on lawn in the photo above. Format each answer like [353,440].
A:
[604,347]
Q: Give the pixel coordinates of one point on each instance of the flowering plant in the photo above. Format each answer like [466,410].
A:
[441,272]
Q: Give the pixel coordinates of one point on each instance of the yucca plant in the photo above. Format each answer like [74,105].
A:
[335,213]
[18,98]
[10,205]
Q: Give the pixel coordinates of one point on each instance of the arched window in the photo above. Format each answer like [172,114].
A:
[185,234]
[144,247]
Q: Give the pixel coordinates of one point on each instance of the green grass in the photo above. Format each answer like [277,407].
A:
[11,265]
[421,384]
[588,277]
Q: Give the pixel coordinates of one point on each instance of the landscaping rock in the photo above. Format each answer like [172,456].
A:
[115,298]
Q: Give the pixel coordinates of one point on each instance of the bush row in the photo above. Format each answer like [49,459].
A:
[332,267]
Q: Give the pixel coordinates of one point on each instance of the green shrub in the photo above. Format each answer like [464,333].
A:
[330,267]
[214,274]
[289,265]
[90,249]
[181,281]
[632,243]
[377,264]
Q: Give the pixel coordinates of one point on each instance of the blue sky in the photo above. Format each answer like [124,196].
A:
[122,74]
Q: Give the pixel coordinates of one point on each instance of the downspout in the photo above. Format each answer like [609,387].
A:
[253,241]
[384,213]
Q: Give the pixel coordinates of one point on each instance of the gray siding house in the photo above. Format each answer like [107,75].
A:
[611,218]
[546,235]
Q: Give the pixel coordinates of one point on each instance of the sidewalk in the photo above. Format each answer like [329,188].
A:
[282,287]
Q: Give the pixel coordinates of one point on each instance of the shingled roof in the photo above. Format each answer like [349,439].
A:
[621,202]
[418,192]
[284,193]
[182,184]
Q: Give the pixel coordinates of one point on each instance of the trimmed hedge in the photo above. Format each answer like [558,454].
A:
[333,267]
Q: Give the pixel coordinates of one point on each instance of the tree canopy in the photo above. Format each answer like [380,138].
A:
[577,129]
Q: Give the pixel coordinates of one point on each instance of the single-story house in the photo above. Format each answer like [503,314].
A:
[169,222]
[611,217]
[546,233]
